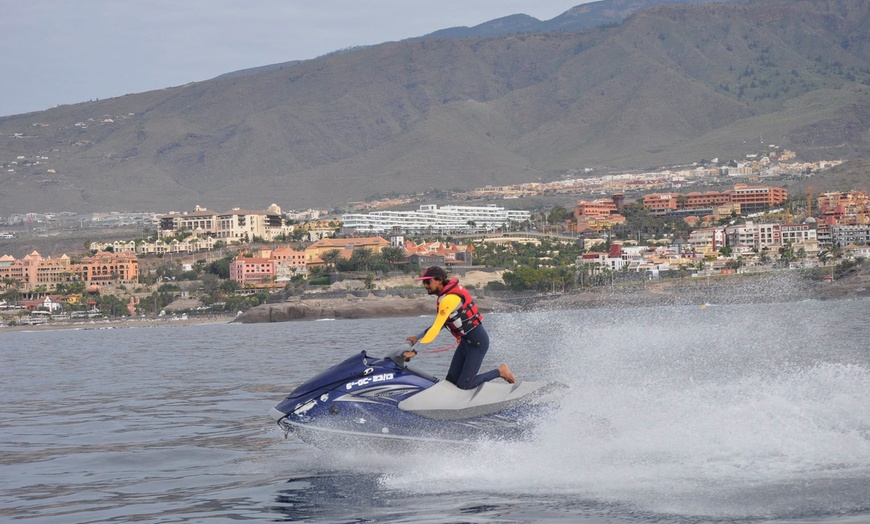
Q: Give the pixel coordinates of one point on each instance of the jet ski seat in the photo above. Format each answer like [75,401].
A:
[445,401]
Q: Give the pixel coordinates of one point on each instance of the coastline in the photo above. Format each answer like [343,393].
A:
[774,287]
[123,322]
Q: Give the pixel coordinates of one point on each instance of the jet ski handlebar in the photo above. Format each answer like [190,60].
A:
[398,356]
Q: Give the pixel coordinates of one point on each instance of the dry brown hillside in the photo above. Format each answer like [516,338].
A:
[670,84]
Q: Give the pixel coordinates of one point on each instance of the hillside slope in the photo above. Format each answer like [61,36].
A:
[670,84]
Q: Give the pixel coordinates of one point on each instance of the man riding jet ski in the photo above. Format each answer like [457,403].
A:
[458,313]
[385,400]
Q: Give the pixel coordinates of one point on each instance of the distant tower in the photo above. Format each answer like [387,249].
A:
[619,200]
[397,239]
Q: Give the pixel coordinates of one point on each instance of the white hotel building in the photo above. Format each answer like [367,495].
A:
[233,226]
[432,219]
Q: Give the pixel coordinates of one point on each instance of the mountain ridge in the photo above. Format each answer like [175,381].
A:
[578,18]
[670,84]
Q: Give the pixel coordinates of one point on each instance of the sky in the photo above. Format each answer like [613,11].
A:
[67,51]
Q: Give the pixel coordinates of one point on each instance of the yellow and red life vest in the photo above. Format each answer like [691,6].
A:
[466,317]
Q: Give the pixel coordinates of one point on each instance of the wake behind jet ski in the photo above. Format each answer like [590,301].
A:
[386,400]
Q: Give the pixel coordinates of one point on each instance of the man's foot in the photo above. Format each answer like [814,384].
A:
[505,372]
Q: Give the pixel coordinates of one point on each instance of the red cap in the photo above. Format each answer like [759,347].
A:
[434,272]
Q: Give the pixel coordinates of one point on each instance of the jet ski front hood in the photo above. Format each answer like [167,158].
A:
[355,366]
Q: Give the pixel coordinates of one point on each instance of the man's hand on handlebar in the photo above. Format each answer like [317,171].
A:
[408,355]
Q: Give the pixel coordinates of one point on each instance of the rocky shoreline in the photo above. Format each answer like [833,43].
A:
[350,308]
[123,322]
[770,287]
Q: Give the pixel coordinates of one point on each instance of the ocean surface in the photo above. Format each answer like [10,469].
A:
[747,413]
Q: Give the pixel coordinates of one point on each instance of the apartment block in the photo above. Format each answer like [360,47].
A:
[761,236]
[753,199]
[843,235]
[344,245]
[707,240]
[595,209]
[599,261]
[852,207]
[252,270]
[37,272]
[108,268]
[288,262]
[749,199]
[190,244]
[431,218]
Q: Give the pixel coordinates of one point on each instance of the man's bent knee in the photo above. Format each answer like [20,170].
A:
[465,384]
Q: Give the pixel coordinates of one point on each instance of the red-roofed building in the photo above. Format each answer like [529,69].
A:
[747,197]
[595,209]
[288,262]
[252,270]
[432,253]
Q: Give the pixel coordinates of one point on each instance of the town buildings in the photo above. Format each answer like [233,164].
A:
[283,263]
[344,246]
[233,226]
[707,240]
[595,209]
[749,199]
[277,265]
[189,244]
[845,234]
[842,221]
[598,214]
[852,207]
[432,219]
[774,164]
[446,254]
[252,270]
[35,272]
[288,263]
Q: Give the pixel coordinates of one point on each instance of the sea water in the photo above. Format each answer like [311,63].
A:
[742,413]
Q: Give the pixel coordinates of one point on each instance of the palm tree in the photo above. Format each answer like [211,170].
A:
[330,257]
[787,254]
[12,295]
[9,282]
[833,254]
[392,255]
[229,286]
[361,259]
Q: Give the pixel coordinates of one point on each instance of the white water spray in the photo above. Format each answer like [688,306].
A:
[724,412]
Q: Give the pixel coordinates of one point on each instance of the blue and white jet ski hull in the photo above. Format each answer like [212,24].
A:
[365,398]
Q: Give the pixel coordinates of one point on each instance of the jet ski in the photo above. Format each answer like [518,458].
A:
[385,400]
